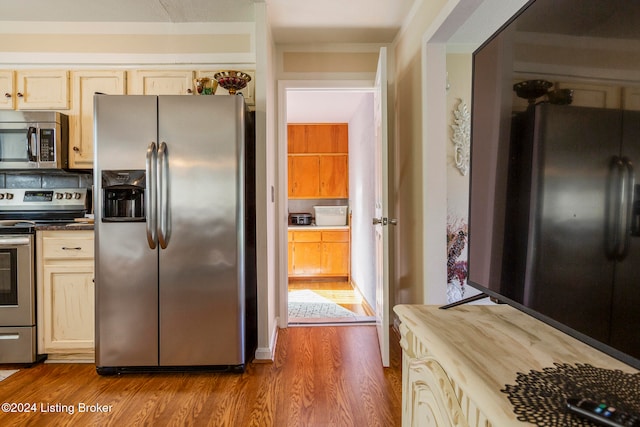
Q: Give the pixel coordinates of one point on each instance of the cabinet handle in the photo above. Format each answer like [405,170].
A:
[7,95]
[20,95]
[189,91]
[77,248]
[76,149]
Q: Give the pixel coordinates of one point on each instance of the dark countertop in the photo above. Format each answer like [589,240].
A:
[69,226]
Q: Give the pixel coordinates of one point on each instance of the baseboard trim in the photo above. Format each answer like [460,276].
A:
[267,354]
[365,303]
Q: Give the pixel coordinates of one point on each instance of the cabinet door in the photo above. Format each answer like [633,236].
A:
[303,176]
[341,138]
[7,94]
[68,297]
[334,176]
[631,98]
[160,82]
[296,139]
[85,85]
[592,95]
[320,138]
[42,90]
[335,258]
[307,259]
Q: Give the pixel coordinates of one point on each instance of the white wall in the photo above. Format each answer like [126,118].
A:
[361,198]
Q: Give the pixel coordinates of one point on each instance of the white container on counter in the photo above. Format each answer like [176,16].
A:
[331,215]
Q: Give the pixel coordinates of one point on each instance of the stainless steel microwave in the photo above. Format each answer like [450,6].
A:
[34,140]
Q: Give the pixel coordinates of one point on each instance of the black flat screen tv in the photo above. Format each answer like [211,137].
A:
[554,217]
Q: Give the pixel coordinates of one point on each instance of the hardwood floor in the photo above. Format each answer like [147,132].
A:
[336,290]
[328,376]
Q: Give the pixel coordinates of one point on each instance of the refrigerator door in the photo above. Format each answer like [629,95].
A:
[202,208]
[126,275]
[625,325]
[569,274]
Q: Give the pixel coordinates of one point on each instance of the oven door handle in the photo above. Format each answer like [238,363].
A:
[14,241]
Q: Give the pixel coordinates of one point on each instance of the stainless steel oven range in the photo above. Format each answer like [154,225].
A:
[20,211]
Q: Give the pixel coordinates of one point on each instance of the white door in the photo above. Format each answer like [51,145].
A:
[380,220]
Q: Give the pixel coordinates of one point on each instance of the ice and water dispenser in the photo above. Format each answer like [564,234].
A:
[123,195]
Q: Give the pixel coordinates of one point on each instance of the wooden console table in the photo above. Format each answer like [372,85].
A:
[456,361]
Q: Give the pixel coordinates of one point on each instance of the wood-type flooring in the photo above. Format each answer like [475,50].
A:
[321,376]
[336,290]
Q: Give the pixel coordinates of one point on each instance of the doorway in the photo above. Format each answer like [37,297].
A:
[347,299]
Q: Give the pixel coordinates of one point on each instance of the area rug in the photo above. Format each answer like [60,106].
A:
[308,305]
[7,373]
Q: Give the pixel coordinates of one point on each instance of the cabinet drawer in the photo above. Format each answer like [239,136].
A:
[335,236]
[55,248]
[306,236]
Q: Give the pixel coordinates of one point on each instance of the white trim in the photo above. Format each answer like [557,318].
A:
[46,27]
[74,59]
[269,353]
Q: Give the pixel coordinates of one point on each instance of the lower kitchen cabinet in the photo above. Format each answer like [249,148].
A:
[65,294]
[319,253]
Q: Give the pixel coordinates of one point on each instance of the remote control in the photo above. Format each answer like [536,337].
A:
[602,414]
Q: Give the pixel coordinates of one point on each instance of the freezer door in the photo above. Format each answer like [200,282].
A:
[568,273]
[625,325]
[201,268]
[126,268]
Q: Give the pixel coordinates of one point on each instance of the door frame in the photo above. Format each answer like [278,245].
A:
[285,86]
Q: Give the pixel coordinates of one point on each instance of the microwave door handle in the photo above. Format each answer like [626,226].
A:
[151,196]
[32,135]
[164,230]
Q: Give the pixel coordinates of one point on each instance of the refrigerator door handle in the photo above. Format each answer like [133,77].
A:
[164,229]
[151,201]
[626,206]
[616,172]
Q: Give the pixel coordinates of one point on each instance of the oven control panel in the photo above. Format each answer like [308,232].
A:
[39,199]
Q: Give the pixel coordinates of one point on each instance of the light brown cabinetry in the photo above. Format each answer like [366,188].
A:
[84,85]
[318,161]
[34,90]
[319,253]
[65,294]
[7,91]
[318,138]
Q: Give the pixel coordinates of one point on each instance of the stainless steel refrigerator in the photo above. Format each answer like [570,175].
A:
[174,206]
[573,191]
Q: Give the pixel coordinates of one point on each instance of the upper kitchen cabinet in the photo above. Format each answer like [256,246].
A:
[160,82]
[334,176]
[318,138]
[7,83]
[85,84]
[318,161]
[248,92]
[318,176]
[35,90]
